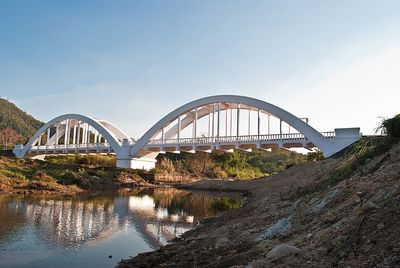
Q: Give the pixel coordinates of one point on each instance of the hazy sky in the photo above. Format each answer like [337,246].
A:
[132,62]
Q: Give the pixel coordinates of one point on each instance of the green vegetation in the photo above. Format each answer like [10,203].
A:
[74,173]
[57,175]
[391,127]
[14,118]
[315,156]
[85,160]
[238,164]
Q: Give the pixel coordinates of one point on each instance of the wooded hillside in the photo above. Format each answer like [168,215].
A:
[12,117]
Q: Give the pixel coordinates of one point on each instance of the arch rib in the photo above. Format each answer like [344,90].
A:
[313,135]
[112,138]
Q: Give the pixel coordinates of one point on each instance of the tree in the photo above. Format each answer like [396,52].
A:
[8,136]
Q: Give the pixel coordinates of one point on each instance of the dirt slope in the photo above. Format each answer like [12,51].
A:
[316,219]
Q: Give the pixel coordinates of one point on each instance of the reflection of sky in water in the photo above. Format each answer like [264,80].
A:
[84,232]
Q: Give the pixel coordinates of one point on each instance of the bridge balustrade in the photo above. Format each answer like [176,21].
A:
[60,147]
[235,139]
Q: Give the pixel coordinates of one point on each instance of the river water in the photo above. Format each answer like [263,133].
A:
[98,231]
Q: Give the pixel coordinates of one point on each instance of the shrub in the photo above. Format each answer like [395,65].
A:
[216,172]
[315,155]
[69,178]
[391,127]
[166,165]
[87,160]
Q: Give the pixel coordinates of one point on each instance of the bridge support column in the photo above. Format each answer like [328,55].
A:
[125,160]
[18,150]
[137,163]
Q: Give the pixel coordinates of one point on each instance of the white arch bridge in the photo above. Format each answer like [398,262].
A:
[223,123]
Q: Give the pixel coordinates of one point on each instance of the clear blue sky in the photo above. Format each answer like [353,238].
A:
[131,62]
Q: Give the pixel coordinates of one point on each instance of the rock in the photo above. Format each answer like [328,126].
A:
[381,226]
[281,251]
[394,261]
[367,248]
[356,199]
[279,227]
[328,198]
[295,206]
[222,242]
[370,205]
[359,193]
[329,217]
[309,235]
[385,193]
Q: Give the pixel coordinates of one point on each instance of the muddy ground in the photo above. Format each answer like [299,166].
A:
[308,216]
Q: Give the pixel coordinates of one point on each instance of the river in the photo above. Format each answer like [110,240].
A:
[98,231]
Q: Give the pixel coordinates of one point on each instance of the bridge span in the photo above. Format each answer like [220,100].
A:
[224,123]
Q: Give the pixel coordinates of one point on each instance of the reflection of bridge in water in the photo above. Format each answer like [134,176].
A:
[69,223]
[221,123]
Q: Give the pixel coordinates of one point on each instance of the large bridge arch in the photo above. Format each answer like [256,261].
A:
[110,132]
[313,135]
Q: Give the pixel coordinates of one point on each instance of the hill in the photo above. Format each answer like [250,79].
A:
[13,117]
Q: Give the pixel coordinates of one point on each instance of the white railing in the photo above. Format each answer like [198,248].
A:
[68,147]
[328,134]
[183,141]
[235,139]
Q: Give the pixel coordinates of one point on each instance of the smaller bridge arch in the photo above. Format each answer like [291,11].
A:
[74,133]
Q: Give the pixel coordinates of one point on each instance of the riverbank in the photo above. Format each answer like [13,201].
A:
[318,214]
[72,174]
[27,176]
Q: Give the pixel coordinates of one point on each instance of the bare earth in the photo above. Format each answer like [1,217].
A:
[354,222]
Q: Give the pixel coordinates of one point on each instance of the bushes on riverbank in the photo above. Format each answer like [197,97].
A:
[238,164]
[86,160]
[56,175]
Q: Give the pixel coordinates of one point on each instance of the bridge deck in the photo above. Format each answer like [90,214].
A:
[71,148]
[236,139]
[188,144]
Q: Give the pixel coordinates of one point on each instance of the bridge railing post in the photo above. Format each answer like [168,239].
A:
[280,133]
[237,121]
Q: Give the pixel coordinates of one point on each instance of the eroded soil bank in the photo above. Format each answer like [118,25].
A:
[332,213]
